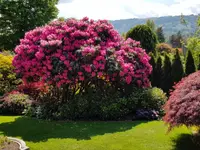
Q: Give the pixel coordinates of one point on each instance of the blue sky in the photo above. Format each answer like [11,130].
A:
[123,9]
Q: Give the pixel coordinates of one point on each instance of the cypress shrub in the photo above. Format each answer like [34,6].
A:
[153,73]
[167,81]
[190,65]
[158,72]
[160,34]
[145,35]
[177,68]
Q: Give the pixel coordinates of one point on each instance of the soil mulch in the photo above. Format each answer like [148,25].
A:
[9,146]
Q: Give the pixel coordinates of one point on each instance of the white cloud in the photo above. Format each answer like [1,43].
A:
[118,9]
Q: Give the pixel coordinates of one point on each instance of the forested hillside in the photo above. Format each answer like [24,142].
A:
[171,24]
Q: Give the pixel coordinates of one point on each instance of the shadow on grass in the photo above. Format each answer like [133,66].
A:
[187,142]
[38,130]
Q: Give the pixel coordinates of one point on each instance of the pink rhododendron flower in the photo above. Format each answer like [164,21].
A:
[100,74]
[67,52]
[128,79]
[93,74]
[81,78]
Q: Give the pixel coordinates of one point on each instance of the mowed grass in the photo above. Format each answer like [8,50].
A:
[138,135]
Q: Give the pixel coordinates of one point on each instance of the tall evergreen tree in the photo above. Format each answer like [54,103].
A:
[177,68]
[151,24]
[158,72]
[153,73]
[160,35]
[190,65]
[167,81]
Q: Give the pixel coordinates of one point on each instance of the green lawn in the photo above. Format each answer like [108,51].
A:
[46,135]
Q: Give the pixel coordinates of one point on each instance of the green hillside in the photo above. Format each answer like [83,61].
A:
[171,24]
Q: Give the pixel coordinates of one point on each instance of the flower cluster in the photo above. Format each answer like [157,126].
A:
[134,63]
[72,51]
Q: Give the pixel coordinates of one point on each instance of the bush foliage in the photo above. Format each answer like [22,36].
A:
[14,103]
[8,78]
[94,105]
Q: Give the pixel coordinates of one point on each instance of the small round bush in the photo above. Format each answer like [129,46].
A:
[14,103]
[183,106]
[7,76]
[150,98]
[164,47]
[145,35]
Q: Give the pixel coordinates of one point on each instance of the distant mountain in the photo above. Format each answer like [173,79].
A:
[171,24]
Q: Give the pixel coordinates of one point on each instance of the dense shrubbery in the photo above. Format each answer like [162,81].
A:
[168,69]
[145,35]
[183,106]
[14,103]
[95,105]
[8,78]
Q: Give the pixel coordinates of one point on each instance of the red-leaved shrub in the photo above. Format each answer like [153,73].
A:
[33,89]
[183,106]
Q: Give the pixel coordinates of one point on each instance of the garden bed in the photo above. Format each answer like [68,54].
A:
[10,146]
[9,143]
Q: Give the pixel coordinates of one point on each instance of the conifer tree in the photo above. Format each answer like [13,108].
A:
[167,81]
[158,72]
[190,65]
[153,73]
[160,35]
[177,68]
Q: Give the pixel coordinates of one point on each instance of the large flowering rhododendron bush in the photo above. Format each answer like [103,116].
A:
[183,106]
[78,53]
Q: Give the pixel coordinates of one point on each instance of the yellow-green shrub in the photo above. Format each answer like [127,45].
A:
[7,76]
[164,47]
